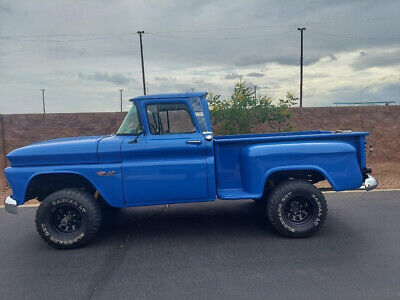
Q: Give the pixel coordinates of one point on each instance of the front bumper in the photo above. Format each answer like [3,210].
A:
[370,182]
[10,205]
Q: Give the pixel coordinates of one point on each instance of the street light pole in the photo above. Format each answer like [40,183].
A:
[44,107]
[141,55]
[120,91]
[301,66]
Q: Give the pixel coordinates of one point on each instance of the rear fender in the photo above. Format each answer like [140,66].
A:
[336,161]
[287,169]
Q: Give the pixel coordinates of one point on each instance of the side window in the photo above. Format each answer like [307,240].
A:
[166,118]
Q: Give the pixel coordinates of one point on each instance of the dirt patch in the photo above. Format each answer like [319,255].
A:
[387,174]
[5,192]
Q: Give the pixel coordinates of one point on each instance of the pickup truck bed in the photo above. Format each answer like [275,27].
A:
[244,162]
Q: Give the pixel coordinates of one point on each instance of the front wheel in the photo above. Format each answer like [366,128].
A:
[68,218]
[297,208]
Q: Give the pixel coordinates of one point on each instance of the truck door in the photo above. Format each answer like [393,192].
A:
[168,164]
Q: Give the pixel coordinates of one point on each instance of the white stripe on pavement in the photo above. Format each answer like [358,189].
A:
[327,192]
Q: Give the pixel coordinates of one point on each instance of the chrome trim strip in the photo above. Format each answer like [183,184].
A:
[10,205]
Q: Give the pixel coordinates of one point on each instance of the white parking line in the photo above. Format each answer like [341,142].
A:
[364,191]
[26,205]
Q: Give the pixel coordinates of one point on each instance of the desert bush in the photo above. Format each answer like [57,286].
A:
[243,111]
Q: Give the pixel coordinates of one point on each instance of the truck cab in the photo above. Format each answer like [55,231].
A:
[172,145]
[165,153]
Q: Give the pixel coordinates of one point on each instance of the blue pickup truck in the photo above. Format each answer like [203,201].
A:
[165,152]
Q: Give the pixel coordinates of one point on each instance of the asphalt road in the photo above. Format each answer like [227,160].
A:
[218,250]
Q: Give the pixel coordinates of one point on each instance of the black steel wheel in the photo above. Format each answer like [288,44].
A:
[299,210]
[68,218]
[296,208]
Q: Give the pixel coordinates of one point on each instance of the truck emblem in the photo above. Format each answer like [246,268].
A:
[109,173]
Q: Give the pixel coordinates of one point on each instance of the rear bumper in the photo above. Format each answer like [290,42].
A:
[370,183]
[10,205]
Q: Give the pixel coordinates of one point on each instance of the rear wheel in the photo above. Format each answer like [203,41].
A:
[297,208]
[68,218]
[260,201]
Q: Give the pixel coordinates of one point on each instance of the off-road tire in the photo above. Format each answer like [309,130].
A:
[84,207]
[260,201]
[280,208]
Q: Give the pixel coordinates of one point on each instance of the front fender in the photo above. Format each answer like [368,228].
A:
[110,187]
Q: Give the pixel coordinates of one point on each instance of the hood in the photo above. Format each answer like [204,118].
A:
[65,151]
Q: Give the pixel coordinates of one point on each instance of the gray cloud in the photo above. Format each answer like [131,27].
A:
[116,78]
[317,75]
[174,85]
[382,59]
[375,92]
[255,74]
[288,59]
[182,52]
[164,78]
[332,57]
[4,8]
[232,75]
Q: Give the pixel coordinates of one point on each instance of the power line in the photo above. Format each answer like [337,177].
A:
[165,35]
[244,28]
[283,25]
[153,34]
[355,37]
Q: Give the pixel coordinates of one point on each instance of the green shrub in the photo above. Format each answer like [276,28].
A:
[242,112]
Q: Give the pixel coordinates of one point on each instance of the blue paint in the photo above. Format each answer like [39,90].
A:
[64,151]
[158,169]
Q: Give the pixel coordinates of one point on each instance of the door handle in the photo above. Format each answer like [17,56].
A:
[198,142]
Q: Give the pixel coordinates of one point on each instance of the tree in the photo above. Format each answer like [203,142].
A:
[243,111]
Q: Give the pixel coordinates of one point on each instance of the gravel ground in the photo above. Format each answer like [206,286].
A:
[387,174]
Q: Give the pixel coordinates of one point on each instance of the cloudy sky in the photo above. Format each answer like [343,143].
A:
[83,52]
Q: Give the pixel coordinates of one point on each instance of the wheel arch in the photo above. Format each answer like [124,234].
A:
[307,172]
[42,184]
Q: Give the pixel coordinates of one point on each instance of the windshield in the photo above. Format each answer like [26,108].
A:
[131,124]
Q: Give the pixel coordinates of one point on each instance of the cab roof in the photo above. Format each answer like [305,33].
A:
[170,96]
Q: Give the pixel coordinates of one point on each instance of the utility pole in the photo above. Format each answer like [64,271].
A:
[141,55]
[301,66]
[44,107]
[120,91]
